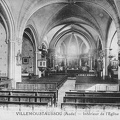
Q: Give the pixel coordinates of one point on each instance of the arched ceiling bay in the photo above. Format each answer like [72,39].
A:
[83,28]
[86,17]
[46,14]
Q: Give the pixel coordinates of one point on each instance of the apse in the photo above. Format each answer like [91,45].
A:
[72,46]
[72,50]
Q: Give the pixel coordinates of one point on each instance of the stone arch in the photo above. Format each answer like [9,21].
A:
[33,37]
[77,25]
[10,38]
[34,34]
[8,19]
[69,31]
[3,50]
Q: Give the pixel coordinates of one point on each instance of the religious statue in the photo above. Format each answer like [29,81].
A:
[19,58]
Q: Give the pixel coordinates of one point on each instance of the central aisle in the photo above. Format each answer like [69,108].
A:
[68,85]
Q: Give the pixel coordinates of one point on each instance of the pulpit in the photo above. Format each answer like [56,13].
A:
[41,66]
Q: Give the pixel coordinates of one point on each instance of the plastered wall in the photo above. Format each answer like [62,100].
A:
[3,53]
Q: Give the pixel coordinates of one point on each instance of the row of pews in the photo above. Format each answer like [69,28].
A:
[48,83]
[40,92]
[93,83]
[83,99]
[20,97]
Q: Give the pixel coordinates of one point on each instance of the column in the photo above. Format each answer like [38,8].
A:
[18,60]
[36,65]
[107,60]
[53,63]
[52,53]
[39,73]
[65,60]
[119,61]
[66,64]
[103,73]
[80,62]
[11,63]
[91,63]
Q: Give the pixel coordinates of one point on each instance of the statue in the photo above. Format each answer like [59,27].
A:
[19,58]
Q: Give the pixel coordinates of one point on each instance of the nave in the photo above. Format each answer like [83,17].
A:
[59,53]
[63,92]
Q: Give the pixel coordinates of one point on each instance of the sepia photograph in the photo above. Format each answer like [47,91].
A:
[59,59]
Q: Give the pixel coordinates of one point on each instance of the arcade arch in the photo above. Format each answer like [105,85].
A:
[29,51]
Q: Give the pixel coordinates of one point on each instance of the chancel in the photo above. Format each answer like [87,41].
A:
[60,53]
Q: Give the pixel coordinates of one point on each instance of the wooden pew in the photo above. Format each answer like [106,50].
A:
[52,83]
[83,93]
[76,99]
[53,94]
[88,105]
[37,86]
[24,103]
[8,98]
[84,99]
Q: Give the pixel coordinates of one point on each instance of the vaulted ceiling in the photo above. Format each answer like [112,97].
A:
[88,19]
[53,19]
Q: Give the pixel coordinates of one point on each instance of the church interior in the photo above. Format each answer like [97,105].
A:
[60,53]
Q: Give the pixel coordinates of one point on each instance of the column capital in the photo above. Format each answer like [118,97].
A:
[19,41]
[11,41]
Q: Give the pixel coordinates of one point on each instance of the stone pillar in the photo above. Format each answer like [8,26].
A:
[103,73]
[80,62]
[53,63]
[39,73]
[107,60]
[52,53]
[18,60]
[65,61]
[91,63]
[119,61]
[36,65]
[66,64]
[11,63]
